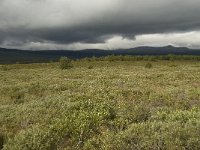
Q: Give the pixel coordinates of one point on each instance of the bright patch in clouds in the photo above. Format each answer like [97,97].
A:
[175,39]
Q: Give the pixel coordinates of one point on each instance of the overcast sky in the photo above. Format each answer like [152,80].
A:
[107,24]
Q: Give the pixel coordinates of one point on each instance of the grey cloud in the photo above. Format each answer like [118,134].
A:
[89,21]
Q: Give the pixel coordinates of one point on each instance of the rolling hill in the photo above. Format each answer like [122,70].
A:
[29,56]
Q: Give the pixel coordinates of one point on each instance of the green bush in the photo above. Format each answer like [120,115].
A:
[1,141]
[90,67]
[65,63]
[148,65]
[4,68]
[36,89]
[17,96]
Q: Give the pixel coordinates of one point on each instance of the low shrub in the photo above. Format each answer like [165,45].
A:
[148,65]
[17,96]
[90,67]
[4,68]
[1,141]
[65,63]
[36,89]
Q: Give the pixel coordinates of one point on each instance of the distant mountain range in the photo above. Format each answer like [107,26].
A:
[29,56]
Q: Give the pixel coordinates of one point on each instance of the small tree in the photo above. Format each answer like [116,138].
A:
[65,63]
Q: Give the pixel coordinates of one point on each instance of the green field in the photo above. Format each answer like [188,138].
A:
[104,105]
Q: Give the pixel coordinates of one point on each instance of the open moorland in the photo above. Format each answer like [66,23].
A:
[108,105]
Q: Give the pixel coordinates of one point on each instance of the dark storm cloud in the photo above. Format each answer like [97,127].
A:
[89,21]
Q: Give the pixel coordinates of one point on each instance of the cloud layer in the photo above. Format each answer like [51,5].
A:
[63,23]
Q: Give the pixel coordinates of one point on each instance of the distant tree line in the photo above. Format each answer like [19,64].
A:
[143,58]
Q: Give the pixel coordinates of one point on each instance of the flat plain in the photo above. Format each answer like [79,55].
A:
[100,105]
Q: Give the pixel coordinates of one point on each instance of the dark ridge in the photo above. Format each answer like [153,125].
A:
[29,56]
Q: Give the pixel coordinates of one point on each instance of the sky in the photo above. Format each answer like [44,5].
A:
[101,24]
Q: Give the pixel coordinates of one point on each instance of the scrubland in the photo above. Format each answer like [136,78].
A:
[105,105]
